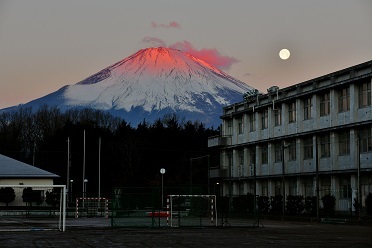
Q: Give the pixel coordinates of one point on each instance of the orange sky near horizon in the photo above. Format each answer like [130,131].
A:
[45,44]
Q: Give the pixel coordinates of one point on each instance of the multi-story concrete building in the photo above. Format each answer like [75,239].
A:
[295,140]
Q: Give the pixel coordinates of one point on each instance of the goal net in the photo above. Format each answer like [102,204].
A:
[91,207]
[191,210]
[32,207]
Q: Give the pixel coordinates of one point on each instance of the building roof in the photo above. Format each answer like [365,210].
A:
[11,168]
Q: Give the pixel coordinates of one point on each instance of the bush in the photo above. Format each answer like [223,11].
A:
[7,195]
[276,203]
[310,205]
[329,205]
[368,203]
[263,204]
[243,203]
[295,204]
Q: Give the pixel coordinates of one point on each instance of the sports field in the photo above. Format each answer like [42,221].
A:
[97,233]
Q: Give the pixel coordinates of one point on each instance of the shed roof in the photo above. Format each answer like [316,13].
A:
[11,168]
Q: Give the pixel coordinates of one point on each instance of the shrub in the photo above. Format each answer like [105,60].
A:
[295,204]
[310,205]
[368,203]
[7,195]
[276,203]
[243,204]
[263,204]
[329,205]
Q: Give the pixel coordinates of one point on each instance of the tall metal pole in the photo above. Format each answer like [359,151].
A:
[99,169]
[162,171]
[84,164]
[68,166]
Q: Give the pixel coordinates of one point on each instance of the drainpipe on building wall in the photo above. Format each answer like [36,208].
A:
[359,206]
[283,182]
[317,176]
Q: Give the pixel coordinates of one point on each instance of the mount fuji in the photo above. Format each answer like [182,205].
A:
[150,84]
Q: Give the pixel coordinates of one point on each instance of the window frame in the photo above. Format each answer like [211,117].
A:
[325,107]
[344,100]
[364,94]
[325,146]
[278,116]
[264,119]
[308,148]
[344,143]
[252,122]
[307,108]
[292,112]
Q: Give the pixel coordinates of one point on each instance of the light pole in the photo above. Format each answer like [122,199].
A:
[284,145]
[162,171]
[84,190]
[71,182]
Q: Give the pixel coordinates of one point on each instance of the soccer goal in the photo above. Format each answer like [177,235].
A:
[191,210]
[91,207]
[32,207]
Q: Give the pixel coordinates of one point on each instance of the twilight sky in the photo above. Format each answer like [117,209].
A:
[46,44]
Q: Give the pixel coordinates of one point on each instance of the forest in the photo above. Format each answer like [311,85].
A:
[129,156]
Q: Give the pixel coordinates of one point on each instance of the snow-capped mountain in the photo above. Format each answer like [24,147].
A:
[151,83]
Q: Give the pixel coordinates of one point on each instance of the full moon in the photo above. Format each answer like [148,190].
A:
[284,54]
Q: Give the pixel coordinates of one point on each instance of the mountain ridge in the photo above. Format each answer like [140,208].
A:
[151,82]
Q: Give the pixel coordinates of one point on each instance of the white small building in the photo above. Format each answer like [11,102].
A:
[14,172]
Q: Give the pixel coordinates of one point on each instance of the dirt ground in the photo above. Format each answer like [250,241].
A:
[273,234]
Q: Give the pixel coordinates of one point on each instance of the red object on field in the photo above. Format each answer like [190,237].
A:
[158,214]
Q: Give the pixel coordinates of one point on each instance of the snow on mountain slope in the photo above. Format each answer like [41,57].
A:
[151,83]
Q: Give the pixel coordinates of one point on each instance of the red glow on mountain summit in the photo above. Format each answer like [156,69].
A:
[160,59]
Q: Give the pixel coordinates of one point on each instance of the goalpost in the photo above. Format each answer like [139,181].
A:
[91,207]
[32,207]
[191,210]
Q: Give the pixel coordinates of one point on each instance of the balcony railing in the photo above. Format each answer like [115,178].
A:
[218,173]
[219,141]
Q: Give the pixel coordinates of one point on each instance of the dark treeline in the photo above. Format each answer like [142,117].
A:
[129,156]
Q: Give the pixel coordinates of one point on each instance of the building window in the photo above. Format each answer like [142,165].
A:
[241,157]
[264,119]
[308,148]
[365,140]
[324,104]
[292,150]
[241,124]
[292,112]
[278,188]
[365,95]
[344,143]
[309,190]
[278,116]
[345,187]
[325,146]
[252,122]
[229,126]
[307,108]
[344,100]
[278,152]
[264,155]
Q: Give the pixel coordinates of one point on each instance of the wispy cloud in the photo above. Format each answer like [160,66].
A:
[169,25]
[211,56]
